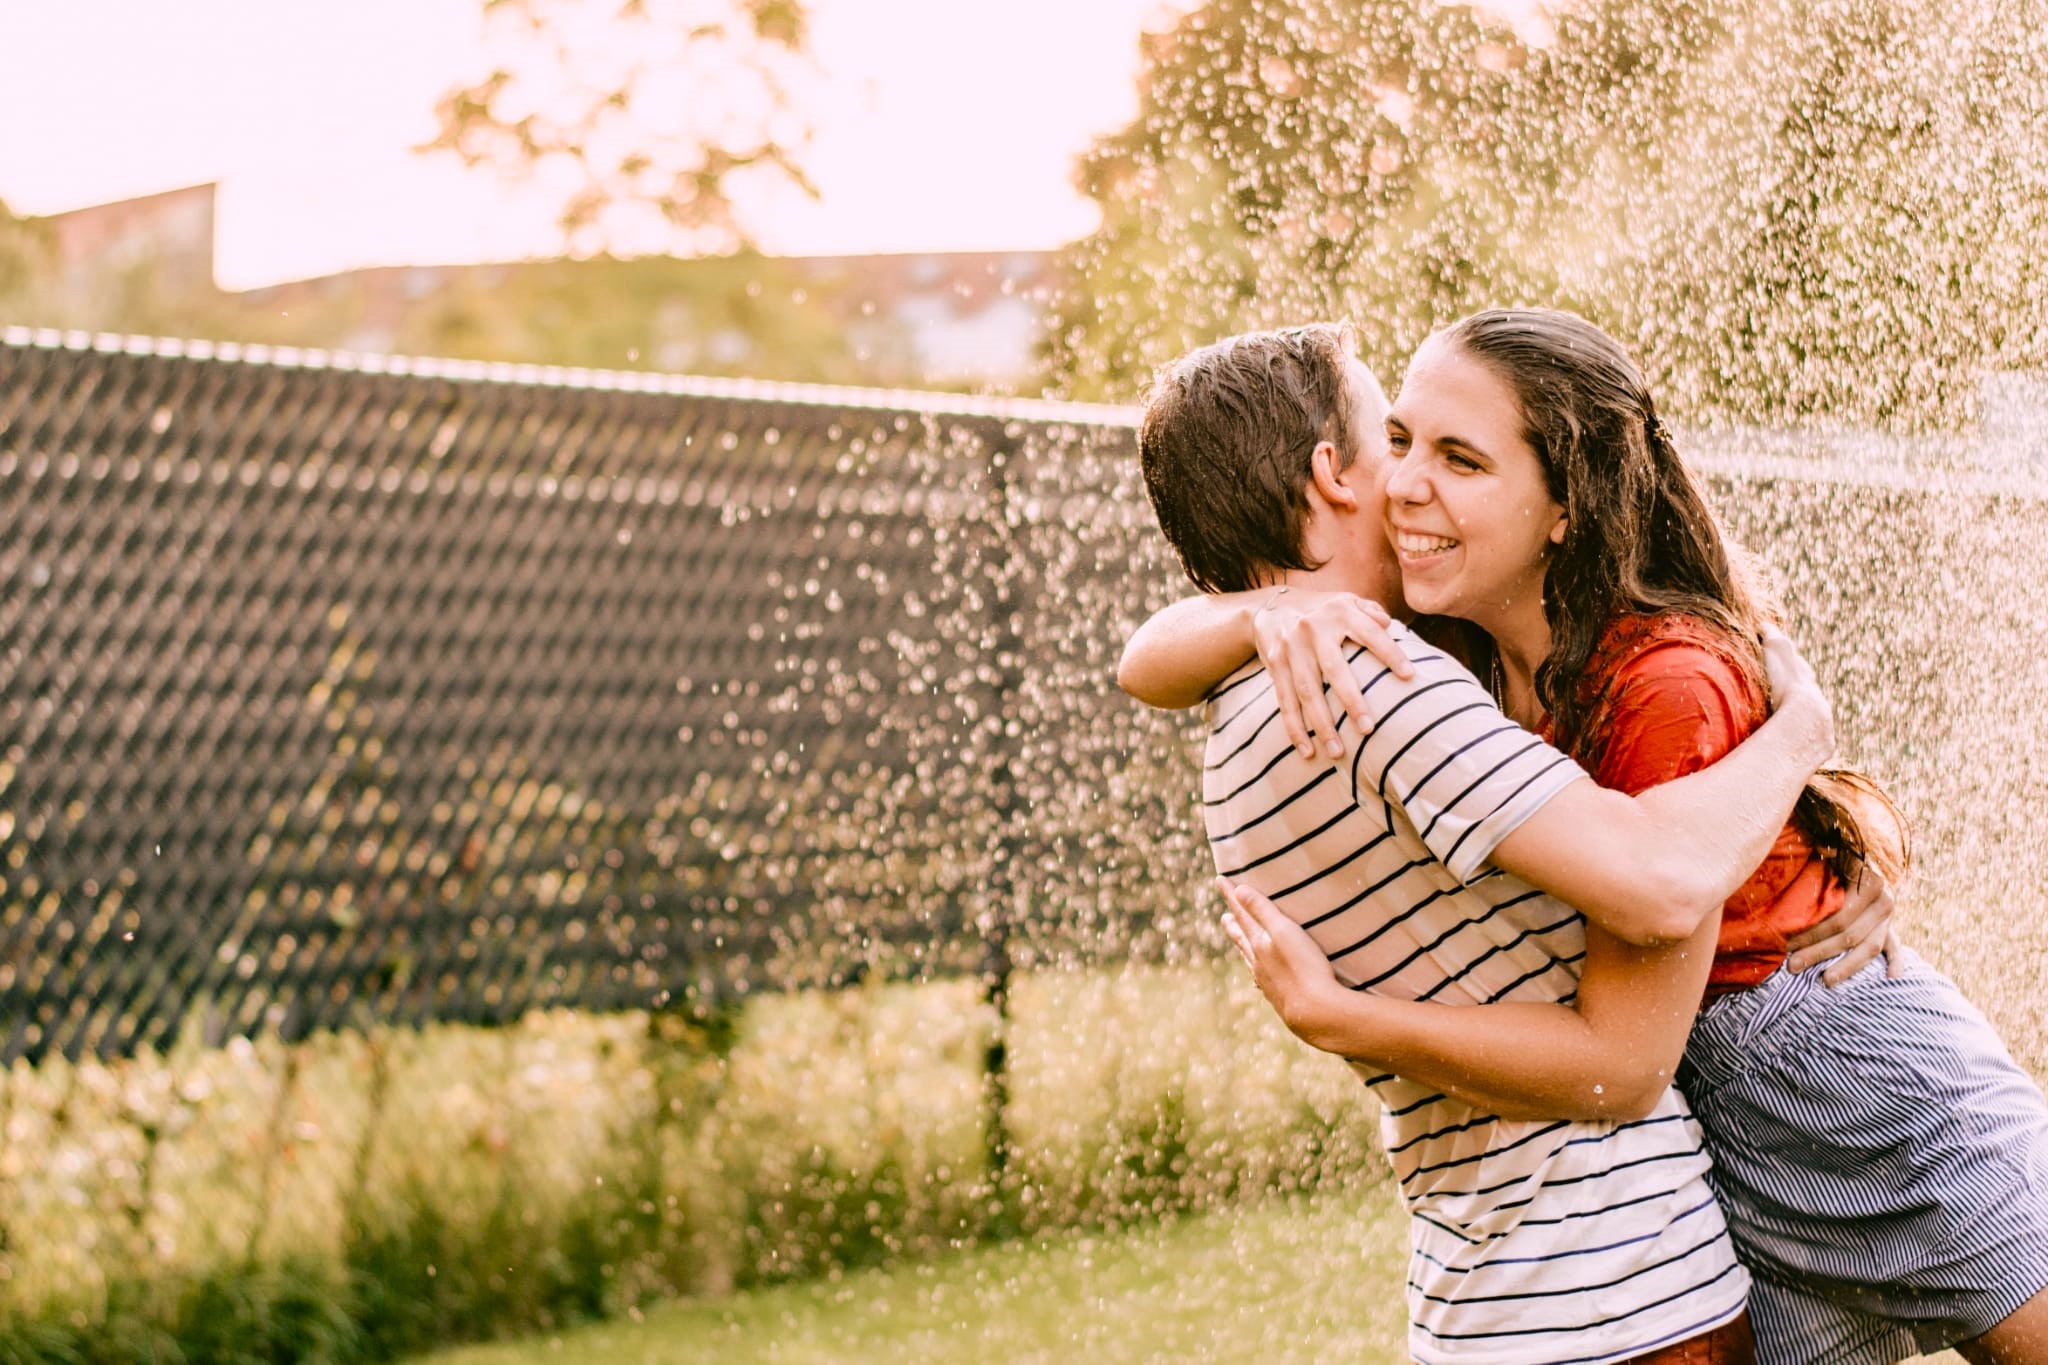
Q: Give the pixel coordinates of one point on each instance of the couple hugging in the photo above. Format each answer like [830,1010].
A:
[1649,1087]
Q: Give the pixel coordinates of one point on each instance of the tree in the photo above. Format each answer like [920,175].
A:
[1391,162]
[1789,210]
[641,114]
[1849,214]
[738,315]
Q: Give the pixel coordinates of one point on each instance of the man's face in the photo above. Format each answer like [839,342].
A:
[1368,418]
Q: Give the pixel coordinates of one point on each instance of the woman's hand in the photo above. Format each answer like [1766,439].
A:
[1290,969]
[1794,689]
[1300,634]
[1859,931]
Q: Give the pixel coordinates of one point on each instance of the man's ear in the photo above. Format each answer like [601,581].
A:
[1335,484]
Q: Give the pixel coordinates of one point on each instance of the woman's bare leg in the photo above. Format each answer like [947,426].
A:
[2021,1339]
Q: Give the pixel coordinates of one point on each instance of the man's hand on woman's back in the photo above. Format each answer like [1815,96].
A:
[1795,689]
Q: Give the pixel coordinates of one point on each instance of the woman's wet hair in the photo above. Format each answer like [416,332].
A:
[1640,539]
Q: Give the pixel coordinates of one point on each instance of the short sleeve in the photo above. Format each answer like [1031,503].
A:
[1670,710]
[1440,749]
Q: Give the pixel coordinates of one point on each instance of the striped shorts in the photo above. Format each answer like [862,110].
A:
[1881,1160]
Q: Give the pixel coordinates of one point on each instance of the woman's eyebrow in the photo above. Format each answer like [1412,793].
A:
[1396,424]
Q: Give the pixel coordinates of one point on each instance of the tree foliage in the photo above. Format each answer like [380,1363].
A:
[740,315]
[1790,208]
[639,114]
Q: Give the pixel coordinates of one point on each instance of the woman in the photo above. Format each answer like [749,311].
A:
[1881,1160]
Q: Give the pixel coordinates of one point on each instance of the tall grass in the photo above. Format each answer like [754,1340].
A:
[358,1197]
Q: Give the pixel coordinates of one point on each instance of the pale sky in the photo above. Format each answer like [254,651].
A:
[941,124]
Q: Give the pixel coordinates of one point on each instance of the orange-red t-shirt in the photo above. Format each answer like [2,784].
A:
[1673,700]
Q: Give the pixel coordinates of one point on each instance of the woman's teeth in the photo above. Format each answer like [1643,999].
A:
[1411,544]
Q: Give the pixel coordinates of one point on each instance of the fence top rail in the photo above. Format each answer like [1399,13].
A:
[1950,463]
[1945,463]
[574,377]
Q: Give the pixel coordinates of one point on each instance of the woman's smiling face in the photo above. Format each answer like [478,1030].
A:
[1468,512]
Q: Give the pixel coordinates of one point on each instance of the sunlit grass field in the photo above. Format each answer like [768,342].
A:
[360,1196]
[1185,1181]
[1307,1280]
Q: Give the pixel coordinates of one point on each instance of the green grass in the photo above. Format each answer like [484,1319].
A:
[363,1196]
[1305,1280]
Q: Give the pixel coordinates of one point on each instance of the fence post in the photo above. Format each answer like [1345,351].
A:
[1000,578]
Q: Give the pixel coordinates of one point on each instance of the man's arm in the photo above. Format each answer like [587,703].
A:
[1609,1055]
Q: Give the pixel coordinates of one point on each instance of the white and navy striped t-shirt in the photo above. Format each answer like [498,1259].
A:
[1531,1241]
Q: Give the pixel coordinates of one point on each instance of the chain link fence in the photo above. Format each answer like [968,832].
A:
[407,692]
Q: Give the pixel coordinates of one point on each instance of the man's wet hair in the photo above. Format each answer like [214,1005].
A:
[1225,444]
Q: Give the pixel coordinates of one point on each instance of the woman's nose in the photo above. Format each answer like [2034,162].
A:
[1405,482]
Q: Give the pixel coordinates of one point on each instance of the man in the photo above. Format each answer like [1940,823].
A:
[1438,857]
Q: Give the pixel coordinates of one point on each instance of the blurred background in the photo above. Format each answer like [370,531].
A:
[558,754]
[831,192]
[1793,214]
